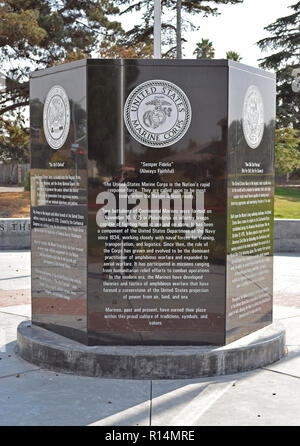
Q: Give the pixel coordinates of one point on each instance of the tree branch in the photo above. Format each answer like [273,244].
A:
[14,106]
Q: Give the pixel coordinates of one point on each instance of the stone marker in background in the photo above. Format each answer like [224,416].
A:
[14,233]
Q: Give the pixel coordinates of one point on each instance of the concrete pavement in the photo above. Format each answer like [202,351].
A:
[32,396]
[13,188]
[14,278]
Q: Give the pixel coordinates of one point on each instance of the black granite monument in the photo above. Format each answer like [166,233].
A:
[152,185]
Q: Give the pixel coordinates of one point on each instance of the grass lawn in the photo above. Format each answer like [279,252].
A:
[287,202]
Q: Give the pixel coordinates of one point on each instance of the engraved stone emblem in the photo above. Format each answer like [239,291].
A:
[157,113]
[56,117]
[253,117]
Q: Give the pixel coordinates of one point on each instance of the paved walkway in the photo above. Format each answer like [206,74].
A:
[11,188]
[14,278]
[32,396]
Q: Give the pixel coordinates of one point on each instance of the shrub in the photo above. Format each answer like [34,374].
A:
[26,181]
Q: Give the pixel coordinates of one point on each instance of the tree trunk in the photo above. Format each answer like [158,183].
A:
[178,29]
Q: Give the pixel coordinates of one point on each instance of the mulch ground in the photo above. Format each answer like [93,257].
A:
[14,204]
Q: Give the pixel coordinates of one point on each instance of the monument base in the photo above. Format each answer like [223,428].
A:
[52,351]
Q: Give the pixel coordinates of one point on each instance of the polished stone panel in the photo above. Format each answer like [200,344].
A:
[59,206]
[150,178]
[250,207]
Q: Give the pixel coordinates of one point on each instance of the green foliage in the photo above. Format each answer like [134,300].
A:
[284,43]
[26,182]
[14,138]
[287,153]
[204,49]
[36,34]
[232,55]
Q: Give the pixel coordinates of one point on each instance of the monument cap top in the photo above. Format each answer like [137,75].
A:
[154,62]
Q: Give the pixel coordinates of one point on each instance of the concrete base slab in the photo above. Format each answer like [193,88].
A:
[10,365]
[281,312]
[43,398]
[50,350]
[19,310]
[259,398]
[183,402]
[289,365]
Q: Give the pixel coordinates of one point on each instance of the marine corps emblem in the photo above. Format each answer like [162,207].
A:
[155,118]
[253,117]
[56,117]
[157,113]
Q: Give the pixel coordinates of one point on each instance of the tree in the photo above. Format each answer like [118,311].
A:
[284,43]
[232,55]
[110,49]
[178,29]
[170,32]
[287,153]
[14,139]
[204,49]
[36,34]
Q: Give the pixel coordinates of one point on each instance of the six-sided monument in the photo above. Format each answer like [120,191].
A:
[152,185]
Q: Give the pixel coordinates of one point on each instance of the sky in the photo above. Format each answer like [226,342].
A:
[238,28]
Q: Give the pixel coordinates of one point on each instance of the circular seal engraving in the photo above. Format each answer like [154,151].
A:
[253,117]
[157,113]
[56,117]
